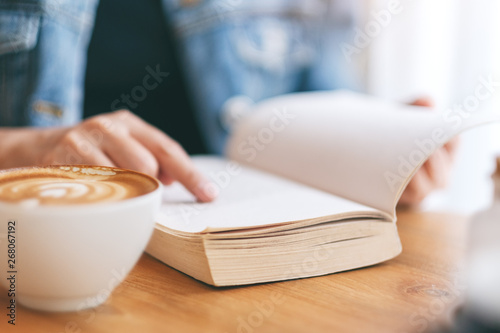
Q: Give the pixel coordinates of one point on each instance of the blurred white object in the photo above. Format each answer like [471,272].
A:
[483,271]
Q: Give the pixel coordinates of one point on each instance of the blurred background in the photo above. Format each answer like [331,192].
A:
[440,49]
[437,49]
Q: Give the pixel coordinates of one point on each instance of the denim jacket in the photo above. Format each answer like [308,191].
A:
[259,49]
[43,46]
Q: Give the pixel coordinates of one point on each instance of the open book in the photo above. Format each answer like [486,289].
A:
[309,187]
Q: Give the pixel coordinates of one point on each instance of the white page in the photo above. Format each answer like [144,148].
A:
[352,145]
[249,198]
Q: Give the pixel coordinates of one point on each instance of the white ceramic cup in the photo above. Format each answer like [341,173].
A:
[71,257]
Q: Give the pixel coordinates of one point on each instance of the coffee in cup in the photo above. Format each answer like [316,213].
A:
[70,234]
[72,185]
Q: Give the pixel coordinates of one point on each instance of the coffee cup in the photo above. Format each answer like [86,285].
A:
[70,234]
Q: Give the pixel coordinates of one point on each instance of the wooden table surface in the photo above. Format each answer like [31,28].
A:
[404,295]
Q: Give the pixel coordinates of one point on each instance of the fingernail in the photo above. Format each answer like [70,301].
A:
[206,191]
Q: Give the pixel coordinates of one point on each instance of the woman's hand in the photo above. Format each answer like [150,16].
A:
[434,173]
[114,139]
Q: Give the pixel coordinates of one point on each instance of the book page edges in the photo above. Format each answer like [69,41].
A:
[272,227]
[315,261]
[199,256]
[185,254]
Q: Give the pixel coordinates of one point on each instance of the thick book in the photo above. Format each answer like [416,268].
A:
[309,187]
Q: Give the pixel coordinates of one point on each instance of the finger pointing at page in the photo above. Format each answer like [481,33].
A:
[117,139]
[173,161]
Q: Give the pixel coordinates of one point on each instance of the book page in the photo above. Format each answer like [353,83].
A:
[352,145]
[250,198]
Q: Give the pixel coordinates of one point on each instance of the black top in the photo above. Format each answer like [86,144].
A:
[129,37]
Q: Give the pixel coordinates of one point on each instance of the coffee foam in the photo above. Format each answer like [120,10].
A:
[68,185]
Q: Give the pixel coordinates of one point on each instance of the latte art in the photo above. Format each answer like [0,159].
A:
[48,189]
[60,185]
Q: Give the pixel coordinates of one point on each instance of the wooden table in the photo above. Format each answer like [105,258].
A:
[406,294]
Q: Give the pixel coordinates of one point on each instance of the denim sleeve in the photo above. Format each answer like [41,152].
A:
[257,48]
[43,45]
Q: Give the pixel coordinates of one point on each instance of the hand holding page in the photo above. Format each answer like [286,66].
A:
[309,188]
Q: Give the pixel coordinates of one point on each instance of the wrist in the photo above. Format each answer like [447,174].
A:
[23,146]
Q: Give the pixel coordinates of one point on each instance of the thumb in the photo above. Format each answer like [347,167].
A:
[423,101]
